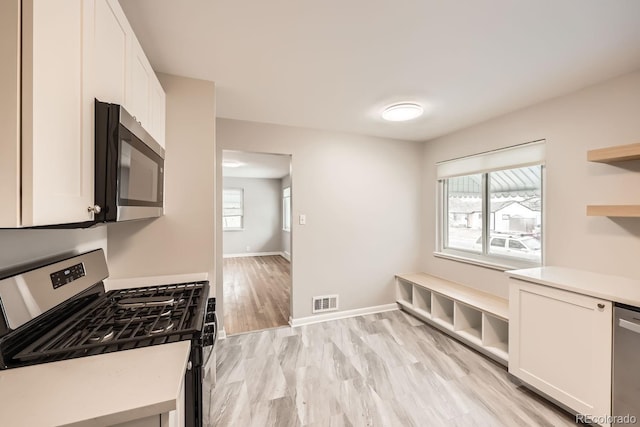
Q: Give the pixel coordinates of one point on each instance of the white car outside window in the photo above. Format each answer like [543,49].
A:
[523,247]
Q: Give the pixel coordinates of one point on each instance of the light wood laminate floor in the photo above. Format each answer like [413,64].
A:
[256,293]
[386,369]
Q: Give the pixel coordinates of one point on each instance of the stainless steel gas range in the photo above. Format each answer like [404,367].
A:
[60,310]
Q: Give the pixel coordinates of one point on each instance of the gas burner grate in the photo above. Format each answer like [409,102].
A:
[106,326]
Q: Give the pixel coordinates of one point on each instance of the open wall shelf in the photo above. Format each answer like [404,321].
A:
[474,317]
[619,153]
[626,211]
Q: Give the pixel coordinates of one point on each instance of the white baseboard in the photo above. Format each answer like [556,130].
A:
[222,334]
[286,255]
[341,314]
[247,254]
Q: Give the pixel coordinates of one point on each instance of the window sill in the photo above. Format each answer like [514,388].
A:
[233,229]
[288,230]
[495,264]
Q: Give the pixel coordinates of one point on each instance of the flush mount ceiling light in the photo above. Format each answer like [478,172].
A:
[231,163]
[402,112]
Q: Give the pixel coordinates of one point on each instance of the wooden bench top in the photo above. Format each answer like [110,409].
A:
[486,302]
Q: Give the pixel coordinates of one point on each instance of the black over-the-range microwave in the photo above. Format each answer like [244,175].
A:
[129,167]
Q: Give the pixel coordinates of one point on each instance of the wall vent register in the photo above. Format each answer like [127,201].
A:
[325,303]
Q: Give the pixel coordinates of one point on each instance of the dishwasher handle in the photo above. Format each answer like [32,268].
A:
[631,326]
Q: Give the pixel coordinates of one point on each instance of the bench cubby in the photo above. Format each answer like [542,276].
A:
[476,318]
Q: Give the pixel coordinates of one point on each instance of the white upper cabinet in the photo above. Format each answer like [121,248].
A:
[112,43]
[57,112]
[141,73]
[123,72]
[158,111]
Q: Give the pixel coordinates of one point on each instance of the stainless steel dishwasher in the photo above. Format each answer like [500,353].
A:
[626,353]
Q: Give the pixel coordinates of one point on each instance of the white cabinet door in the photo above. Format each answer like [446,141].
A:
[140,85]
[176,418]
[158,102]
[112,44]
[560,343]
[57,111]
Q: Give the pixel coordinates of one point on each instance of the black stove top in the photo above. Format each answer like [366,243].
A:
[61,311]
[111,324]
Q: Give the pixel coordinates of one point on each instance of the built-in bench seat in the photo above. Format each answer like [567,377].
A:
[477,318]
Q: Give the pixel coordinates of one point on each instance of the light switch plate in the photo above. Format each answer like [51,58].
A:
[303,219]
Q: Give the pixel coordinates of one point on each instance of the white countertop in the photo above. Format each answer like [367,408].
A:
[611,288]
[97,390]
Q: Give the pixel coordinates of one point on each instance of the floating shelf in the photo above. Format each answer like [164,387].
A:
[619,153]
[614,210]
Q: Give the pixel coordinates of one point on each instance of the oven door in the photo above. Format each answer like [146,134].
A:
[200,378]
[193,402]
[209,336]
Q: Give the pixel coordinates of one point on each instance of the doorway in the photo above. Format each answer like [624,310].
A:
[256,242]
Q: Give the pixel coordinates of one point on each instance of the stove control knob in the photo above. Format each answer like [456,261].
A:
[189,365]
[94,209]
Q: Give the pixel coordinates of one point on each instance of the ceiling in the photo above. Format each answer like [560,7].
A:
[334,64]
[255,165]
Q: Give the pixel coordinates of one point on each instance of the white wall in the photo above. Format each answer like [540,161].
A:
[262,222]
[599,116]
[23,246]
[286,235]
[181,241]
[361,196]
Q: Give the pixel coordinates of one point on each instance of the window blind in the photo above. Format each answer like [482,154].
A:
[529,154]
[232,202]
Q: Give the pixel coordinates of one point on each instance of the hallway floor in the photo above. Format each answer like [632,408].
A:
[257,291]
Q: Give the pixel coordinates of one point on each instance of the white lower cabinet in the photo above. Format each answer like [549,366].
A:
[560,343]
[174,418]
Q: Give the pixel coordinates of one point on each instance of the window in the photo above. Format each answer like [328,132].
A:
[286,209]
[493,203]
[232,209]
